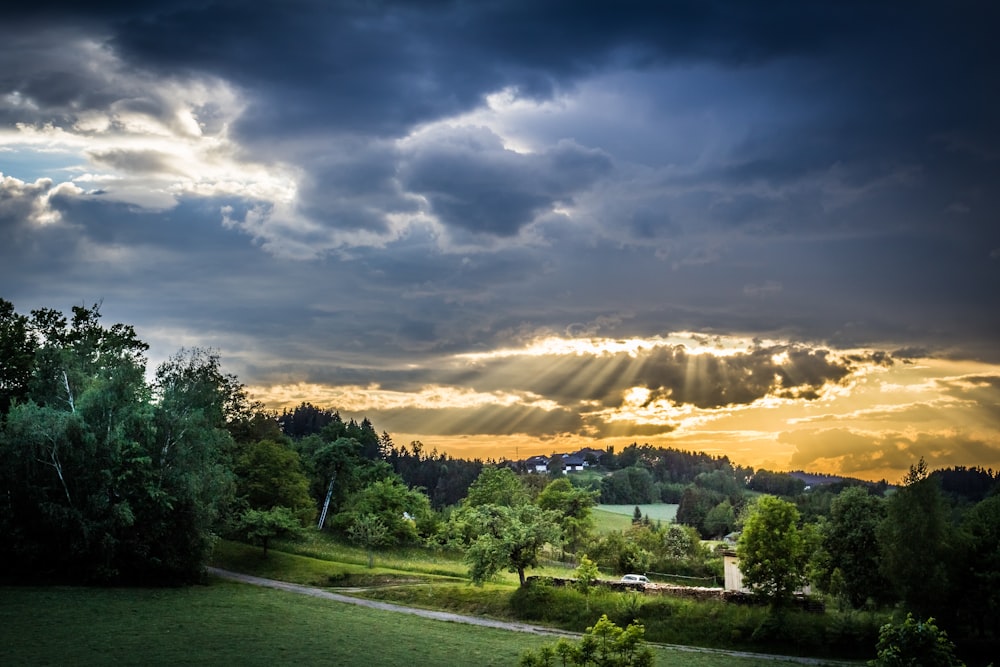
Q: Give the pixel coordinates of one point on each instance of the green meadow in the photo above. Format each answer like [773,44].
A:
[226,623]
[663,512]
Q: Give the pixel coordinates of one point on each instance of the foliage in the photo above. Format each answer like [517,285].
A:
[586,575]
[104,476]
[916,543]
[18,344]
[720,520]
[573,506]
[631,485]
[508,537]
[306,419]
[497,486]
[967,484]
[400,509]
[261,526]
[446,479]
[369,531]
[696,503]
[603,645]
[914,643]
[772,550]
[982,589]
[776,483]
[851,548]
[270,475]
[619,554]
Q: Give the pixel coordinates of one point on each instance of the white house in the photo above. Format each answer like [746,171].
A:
[734,576]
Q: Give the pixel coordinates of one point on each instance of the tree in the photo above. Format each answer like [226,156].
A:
[104,475]
[914,644]
[497,486]
[370,532]
[772,550]
[261,526]
[77,448]
[574,506]
[269,475]
[508,537]
[850,541]
[696,503]
[982,588]
[917,542]
[400,509]
[586,576]
[678,542]
[632,485]
[720,520]
[17,356]
[192,455]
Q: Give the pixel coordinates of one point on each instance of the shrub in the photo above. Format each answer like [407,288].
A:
[914,643]
[603,644]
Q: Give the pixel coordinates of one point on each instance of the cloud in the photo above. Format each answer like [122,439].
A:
[763,290]
[22,202]
[872,454]
[473,183]
[681,373]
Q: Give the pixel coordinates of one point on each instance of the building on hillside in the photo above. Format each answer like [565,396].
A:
[537,464]
[573,463]
[591,456]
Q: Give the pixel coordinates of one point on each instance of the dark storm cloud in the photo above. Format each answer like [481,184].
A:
[472,182]
[822,170]
[487,420]
[703,380]
[381,67]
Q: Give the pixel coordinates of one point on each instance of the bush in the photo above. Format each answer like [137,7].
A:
[603,644]
[914,644]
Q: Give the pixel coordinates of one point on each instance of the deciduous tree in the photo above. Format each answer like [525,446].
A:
[850,541]
[772,550]
[508,537]
[574,506]
[916,543]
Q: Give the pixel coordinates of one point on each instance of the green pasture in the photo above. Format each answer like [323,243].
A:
[228,623]
[231,624]
[663,512]
[606,522]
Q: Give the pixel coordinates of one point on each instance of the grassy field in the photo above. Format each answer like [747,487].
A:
[227,623]
[606,522]
[656,512]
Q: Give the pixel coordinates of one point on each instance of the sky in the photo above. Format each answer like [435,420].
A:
[764,230]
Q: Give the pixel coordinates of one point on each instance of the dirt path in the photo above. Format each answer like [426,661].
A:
[486,622]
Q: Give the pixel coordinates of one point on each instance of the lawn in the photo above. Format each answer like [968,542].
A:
[228,623]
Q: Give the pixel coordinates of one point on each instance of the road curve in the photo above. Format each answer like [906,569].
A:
[487,622]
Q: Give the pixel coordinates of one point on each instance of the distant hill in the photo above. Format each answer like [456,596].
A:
[814,479]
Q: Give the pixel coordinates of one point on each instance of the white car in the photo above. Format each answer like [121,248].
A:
[635,579]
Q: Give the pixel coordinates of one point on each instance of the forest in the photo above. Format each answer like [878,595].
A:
[113,475]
